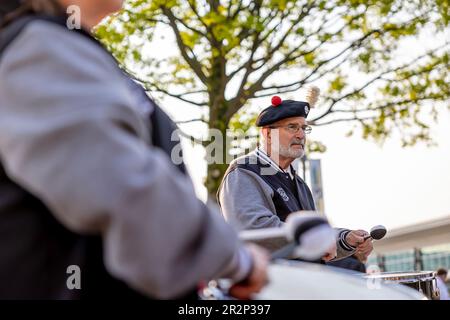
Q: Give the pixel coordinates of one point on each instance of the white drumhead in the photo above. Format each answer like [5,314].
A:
[306,281]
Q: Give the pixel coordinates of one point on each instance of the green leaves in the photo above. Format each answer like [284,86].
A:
[443,8]
[315,147]
[189,38]
[338,83]
[309,59]
[233,51]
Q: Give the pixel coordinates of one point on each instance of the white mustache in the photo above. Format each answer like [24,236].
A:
[300,142]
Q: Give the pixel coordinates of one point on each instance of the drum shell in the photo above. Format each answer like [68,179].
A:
[293,280]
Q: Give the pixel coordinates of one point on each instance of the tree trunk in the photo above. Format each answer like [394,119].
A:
[213,179]
[217,160]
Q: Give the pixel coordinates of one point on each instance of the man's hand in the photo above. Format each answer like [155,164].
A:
[331,253]
[361,257]
[258,275]
[365,248]
[355,238]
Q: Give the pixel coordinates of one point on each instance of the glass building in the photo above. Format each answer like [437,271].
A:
[413,260]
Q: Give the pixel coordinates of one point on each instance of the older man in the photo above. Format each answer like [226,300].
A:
[262,188]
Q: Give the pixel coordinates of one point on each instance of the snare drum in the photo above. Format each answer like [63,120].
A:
[423,281]
[294,280]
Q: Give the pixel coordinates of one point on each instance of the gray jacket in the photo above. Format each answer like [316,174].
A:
[72,133]
[246,203]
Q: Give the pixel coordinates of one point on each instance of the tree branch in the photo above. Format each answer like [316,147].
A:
[343,120]
[288,32]
[257,42]
[356,43]
[246,94]
[149,85]
[386,105]
[190,28]
[193,63]
[238,9]
[290,87]
[379,76]
[211,39]
[298,84]
[190,121]
[214,4]
[178,96]
[381,107]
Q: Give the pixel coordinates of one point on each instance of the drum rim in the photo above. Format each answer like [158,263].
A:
[410,277]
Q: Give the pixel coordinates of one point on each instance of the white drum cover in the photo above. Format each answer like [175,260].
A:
[292,280]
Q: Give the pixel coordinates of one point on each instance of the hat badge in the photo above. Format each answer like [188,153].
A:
[306,109]
[276,101]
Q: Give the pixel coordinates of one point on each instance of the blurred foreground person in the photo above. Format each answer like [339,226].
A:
[91,205]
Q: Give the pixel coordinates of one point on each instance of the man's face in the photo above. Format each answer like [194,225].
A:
[291,144]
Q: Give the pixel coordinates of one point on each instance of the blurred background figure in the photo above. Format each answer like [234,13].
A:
[441,277]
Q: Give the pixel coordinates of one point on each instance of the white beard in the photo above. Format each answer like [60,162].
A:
[289,152]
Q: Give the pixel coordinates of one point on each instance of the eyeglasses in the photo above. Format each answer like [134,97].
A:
[294,128]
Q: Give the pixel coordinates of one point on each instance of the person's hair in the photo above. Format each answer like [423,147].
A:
[441,272]
[48,7]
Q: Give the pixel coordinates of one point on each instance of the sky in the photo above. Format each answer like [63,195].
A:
[364,184]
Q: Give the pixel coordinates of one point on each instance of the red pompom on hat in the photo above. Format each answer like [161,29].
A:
[276,101]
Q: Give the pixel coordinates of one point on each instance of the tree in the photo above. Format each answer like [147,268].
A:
[233,51]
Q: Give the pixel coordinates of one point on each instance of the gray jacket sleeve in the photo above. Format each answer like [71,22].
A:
[343,249]
[69,135]
[246,203]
